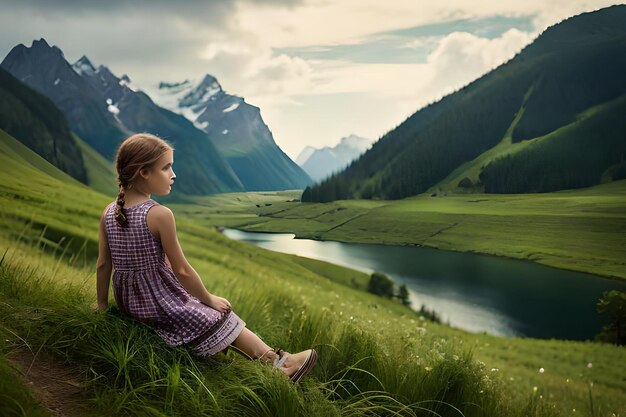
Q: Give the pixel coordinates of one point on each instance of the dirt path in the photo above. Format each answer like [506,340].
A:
[54,385]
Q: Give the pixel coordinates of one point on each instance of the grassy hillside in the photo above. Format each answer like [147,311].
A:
[101,175]
[376,356]
[587,150]
[498,169]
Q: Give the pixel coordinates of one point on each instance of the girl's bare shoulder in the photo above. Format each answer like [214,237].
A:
[159,215]
[160,218]
[159,211]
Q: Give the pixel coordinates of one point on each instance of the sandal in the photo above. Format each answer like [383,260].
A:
[303,370]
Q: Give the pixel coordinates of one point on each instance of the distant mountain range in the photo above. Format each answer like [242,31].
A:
[321,163]
[103,109]
[238,131]
[551,118]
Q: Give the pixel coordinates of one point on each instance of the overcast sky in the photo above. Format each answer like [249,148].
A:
[318,69]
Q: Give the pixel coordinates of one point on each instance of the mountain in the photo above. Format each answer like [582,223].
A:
[136,111]
[322,163]
[102,109]
[238,131]
[45,69]
[36,122]
[549,119]
[305,154]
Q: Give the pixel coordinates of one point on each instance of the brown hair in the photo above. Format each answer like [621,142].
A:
[135,153]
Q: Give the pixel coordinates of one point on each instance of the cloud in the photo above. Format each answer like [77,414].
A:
[260,73]
[209,11]
[299,60]
[462,57]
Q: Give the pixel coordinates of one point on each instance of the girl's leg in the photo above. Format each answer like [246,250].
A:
[252,345]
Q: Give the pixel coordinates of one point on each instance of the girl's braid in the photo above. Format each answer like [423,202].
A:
[120,216]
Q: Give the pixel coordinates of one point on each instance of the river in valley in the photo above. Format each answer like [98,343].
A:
[477,293]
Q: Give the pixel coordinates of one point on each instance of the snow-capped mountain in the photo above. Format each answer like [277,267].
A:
[238,131]
[321,163]
[103,109]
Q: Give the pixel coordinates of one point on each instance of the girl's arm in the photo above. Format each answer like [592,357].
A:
[104,266]
[162,220]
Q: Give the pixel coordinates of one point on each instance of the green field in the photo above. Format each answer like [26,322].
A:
[582,230]
[376,356]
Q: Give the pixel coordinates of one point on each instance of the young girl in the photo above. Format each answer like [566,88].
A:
[153,282]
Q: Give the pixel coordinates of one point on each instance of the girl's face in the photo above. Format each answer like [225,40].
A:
[161,176]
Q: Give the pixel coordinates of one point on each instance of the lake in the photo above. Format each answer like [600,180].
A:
[477,293]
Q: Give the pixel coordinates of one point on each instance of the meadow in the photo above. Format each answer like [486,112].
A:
[581,230]
[377,357]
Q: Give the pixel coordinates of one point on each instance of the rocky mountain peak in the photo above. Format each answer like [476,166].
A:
[199,96]
[84,66]
[42,47]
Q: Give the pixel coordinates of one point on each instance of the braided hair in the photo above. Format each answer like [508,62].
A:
[138,152]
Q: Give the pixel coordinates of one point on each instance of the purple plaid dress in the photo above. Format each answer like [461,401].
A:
[146,288]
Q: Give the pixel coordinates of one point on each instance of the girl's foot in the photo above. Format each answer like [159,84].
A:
[296,365]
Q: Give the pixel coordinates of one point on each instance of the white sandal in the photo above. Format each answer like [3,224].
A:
[303,370]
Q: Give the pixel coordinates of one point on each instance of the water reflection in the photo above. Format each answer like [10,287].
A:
[474,292]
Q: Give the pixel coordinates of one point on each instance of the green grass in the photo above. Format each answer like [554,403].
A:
[582,230]
[101,173]
[376,356]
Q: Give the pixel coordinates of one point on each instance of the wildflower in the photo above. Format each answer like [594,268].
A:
[541,370]
[589,365]
[511,379]
[567,380]
[534,389]
[494,369]
[428,368]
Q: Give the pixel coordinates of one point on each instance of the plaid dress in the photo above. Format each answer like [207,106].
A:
[146,288]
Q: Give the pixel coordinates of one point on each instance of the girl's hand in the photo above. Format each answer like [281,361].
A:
[99,306]
[220,304]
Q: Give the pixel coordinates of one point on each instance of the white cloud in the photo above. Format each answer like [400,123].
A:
[393,91]
[462,57]
[304,101]
[259,74]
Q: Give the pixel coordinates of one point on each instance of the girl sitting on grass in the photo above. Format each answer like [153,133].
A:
[153,282]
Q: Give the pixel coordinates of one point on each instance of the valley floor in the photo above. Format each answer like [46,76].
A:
[580,230]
